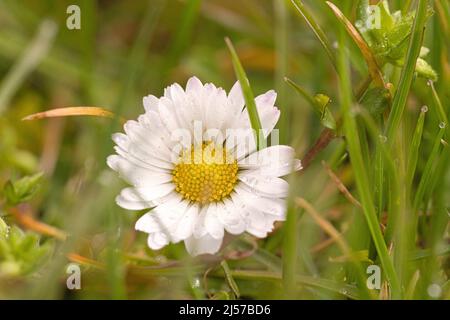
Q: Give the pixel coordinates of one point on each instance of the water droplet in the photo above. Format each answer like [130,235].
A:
[382,138]
[424,109]
[196,283]
[442,125]
[434,291]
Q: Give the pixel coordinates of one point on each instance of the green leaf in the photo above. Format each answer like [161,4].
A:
[376,100]
[21,253]
[389,40]
[22,190]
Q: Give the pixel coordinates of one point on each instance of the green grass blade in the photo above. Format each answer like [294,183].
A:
[184,31]
[315,27]
[281,67]
[233,285]
[290,249]
[428,171]
[438,104]
[414,149]
[31,57]
[321,283]
[406,78]
[249,97]
[360,170]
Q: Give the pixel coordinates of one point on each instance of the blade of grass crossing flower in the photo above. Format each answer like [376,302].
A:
[315,27]
[249,97]
[360,170]
[406,77]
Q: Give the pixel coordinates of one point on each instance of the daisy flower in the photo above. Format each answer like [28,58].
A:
[191,159]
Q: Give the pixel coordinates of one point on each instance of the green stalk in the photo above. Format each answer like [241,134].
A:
[281,67]
[406,77]
[290,250]
[360,170]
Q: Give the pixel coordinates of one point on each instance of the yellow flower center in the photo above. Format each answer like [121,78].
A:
[205,173]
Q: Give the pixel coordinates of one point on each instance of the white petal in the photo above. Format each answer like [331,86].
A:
[212,223]
[143,162]
[271,187]
[157,240]
[168,114]
[136,175]
[143,198]
[268,113]
[204,245]
[257,223]
[194,85]
[230,217]
[199,227]
[236,98]
[217,113]
[147,223]
[185,226]
[271,206]
[150,103]
[163,217]
[274,161]
[144,144]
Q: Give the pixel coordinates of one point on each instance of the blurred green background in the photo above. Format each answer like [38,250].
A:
[128,49]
